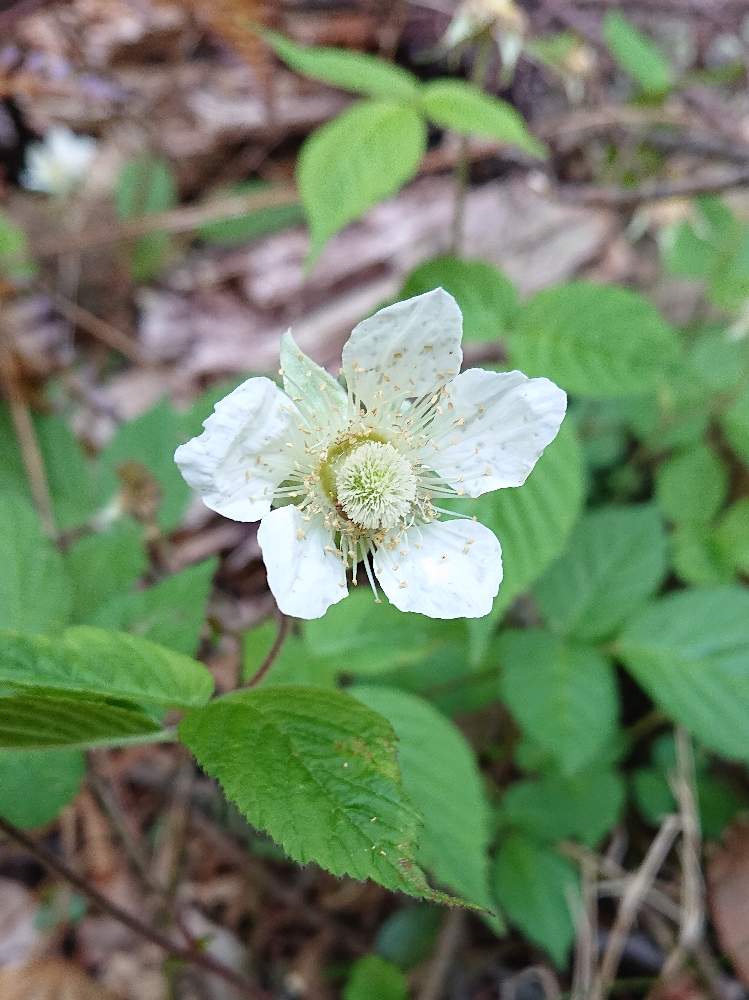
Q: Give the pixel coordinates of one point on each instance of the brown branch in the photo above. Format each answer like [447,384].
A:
[98,328]
[10,379]
[615,197]
[284,625]
[448,943]
[188,955]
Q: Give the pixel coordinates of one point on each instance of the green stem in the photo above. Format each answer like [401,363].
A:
[478,77]
[168,735]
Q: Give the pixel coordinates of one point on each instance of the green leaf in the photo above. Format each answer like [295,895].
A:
[595,340]
[54,775]
[464,108]
[407,936]
[318,771]
[696,556]
[691,486]
[101,566]
[586,806]
[685,252]
[615,560]
[76,495]
[637,54]
[146,186]
[361,157]
[34,590]
[368,639]
[355,71]
[563,695]
[441,777]
[690,652]
[251,225]
[171,612]
[735,424]
[15,261]
[539,891]
[487,299]
[34,720]
[92,661]
[372,978]
[145,446]
[533,523]
[732,536]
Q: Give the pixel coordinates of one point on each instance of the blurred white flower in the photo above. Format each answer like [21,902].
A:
[342,476]
[58,163]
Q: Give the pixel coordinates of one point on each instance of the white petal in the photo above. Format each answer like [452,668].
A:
[412,345]
[445,569]
[243,454]
[320,399]
[304,573]
[493,430]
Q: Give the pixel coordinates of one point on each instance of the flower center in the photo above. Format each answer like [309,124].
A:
[375,486]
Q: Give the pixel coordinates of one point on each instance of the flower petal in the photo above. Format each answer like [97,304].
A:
[242,455]
[493,430]
[413,345]
[445,569]
[319,397]
[304,572]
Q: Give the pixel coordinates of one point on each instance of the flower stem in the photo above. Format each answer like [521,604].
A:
[284,625]
[478,77]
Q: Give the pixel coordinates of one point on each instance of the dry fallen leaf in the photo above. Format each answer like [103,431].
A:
[50,979]
[728,887]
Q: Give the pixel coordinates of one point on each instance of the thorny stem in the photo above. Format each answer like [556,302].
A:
[462,166]
[284,624]
[185,954]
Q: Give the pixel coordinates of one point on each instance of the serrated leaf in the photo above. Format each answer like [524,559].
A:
[101,566]
[355,71]
[34,590]
[562,694]
[487,298]
[637,54]
[539,891]
[54,775]
[372,978]
[691,486]
[533,523]
[318,771]
[615,560]
[696,556]
[347,166]
[140,459]
[171,612]
[32,720]
[91,661]
[76,495]
[462,107]
[690,652]
[441,777]
[594,340]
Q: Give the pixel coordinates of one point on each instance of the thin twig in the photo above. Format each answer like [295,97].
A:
[447,945]
[616,197]
[10,378]
[188,955]
[98,328]
[692,893]
[284,625]
[631,900]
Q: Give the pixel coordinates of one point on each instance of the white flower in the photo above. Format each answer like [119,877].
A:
[342,476]
[58,163]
